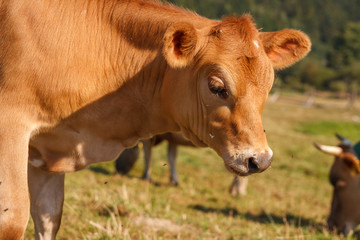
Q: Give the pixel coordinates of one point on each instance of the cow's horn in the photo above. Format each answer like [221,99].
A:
[333,150]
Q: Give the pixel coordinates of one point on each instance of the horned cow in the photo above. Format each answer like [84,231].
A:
[345,178]
[78,79]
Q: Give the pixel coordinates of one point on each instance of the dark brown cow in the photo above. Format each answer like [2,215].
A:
[78,78]
[345,178]
[128,157]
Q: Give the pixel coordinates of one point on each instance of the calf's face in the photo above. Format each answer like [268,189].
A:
[344,176]
[220,77]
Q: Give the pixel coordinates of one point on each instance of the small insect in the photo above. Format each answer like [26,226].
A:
[164,165]
[6,209]
[105,182]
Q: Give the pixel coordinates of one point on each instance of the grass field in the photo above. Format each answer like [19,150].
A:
[291,200]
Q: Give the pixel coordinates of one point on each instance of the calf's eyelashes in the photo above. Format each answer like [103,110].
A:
[217,87]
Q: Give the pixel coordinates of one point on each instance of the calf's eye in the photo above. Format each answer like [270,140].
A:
[217,87]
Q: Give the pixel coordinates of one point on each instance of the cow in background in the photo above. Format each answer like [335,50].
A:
[129,156]
[345,178]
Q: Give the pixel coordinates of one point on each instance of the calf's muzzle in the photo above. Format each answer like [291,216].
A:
[259,163]
[246,165]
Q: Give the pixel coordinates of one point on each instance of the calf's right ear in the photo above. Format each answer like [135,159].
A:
[179,44]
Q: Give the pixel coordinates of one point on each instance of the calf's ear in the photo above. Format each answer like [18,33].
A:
[285,47]
[180,42]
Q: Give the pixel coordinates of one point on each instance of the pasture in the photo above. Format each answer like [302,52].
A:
[291,200]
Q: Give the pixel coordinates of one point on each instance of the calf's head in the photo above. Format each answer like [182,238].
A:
[345,178]
[217,82]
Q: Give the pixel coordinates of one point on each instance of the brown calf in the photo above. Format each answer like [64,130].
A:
[79,78]
[129,156]
[345,178]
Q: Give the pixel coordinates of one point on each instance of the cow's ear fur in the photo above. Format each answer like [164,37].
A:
[285,47]
[180,42]
[352,162]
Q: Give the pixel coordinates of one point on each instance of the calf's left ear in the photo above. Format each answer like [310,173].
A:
[180,41]
[285,47]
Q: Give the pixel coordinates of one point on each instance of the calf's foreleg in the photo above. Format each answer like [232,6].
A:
[14,198]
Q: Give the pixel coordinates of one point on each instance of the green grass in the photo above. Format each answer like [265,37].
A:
[327,128]
[291,200]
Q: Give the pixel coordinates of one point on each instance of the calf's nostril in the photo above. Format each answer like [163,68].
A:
[253,165]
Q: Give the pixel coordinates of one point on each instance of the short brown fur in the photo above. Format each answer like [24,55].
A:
[78,78]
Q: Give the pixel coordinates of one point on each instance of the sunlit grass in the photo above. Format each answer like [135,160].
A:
[291,200]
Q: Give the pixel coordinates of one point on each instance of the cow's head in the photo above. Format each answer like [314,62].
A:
[345,178]
[218,79]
